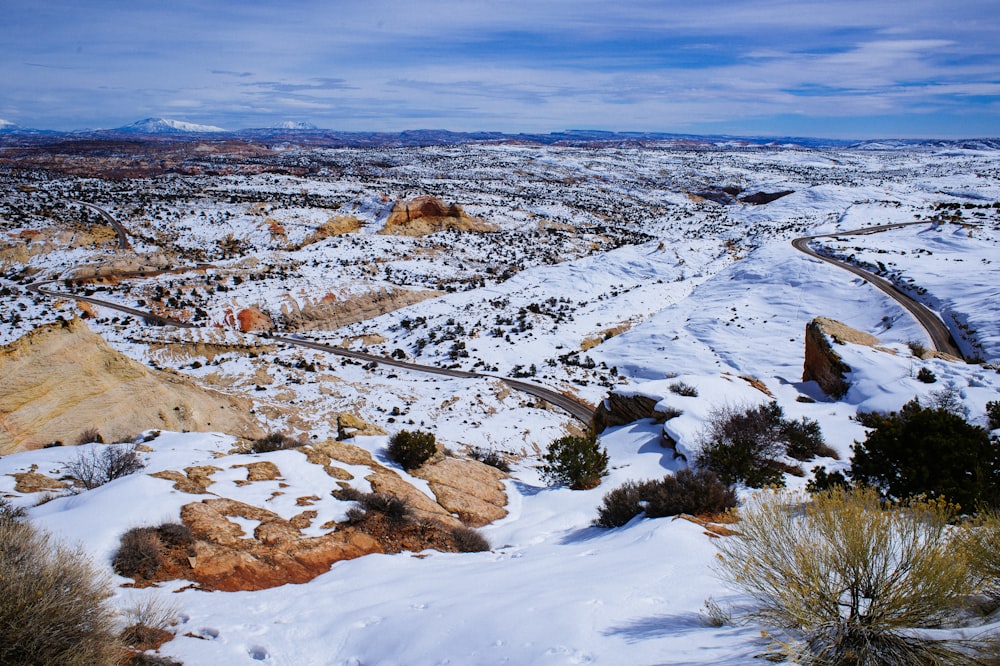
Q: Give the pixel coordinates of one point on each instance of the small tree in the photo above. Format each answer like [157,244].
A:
[576,461]
[411,448]
[849,576]
[928,451]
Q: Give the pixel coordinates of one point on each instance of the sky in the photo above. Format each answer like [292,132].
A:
[821,68]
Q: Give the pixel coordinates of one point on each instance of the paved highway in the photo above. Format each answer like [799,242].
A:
[939,334]
[123,243]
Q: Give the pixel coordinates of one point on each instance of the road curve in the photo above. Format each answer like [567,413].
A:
[939,334]
[123,243]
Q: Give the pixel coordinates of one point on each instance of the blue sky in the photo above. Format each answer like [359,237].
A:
[832,68]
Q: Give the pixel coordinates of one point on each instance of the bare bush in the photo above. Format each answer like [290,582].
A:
[468,540]
[850,577]
[149,623]
[53,603]
[694,492]
[275,441]
[139,553]
[490,457]
[96,465]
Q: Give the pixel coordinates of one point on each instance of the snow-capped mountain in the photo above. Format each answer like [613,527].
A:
[7,126]
[166,126]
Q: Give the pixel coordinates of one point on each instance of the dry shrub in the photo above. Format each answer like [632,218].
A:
[96,465]
[149,623]
[851,578]
[139,554]
[53,603]
[275,441]
[694,492]
[468,540]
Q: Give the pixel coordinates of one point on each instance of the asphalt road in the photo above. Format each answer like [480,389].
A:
[939,334]
[123,243]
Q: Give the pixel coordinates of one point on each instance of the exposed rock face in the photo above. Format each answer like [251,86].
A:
[252,320]
[62,379]
[332,312]
[425,215]
[822,363]
[618,409]
[349,425]
[468,488]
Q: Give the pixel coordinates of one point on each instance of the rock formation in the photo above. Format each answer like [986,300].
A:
[619,409]
[332,312]
[822,363]
[62,379]
[425,215]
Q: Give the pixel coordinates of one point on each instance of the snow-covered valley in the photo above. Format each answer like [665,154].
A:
[584,270]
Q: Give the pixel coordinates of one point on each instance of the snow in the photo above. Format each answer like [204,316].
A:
[702,294]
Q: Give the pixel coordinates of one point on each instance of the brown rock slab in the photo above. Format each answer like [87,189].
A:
[195,480]
[468,488]
[35,482]
[263,470]
[822,363]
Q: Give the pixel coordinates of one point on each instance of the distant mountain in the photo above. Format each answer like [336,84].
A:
[7,126]
[292,125]
[166,126]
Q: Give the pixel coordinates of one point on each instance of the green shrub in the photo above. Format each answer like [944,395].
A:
[746,445]
[54,606]
[576,461]
[926,376]
[929,451]
[993,414]
[411,448]
[850,578]
[693,492]
[823,480]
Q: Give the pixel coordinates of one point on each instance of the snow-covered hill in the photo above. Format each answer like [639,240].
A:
[166,126]
[607,269]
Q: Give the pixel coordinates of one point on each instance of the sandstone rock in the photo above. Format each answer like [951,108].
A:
[62,379]
[35,482]
[195,480]
[822,363]
[332,311]
[468,488]
[425,215]
[252,320]
[349,425]
[618,409]
[263,470]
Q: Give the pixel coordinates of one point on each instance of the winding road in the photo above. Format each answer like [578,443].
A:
[572,406]
[935,328]
[937,331]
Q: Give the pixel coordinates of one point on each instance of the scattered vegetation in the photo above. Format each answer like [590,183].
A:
[577,461]
[746,445]
[926,375]
[54,606]
[686,390]
[95,465]
[850,577]
[928,451]
[275,441]
[693,492]
[490,457]
[411,448]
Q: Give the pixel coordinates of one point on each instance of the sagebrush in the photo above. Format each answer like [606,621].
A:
[688,491]
[411,448]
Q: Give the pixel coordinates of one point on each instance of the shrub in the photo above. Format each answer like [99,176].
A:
[148,623]
[53,603]
[491,458]
[96,465]
[849,576]
[396,509]
[746,445]
[823,480]
[139,553]
[468,540]
[576,461]
[90,436]
[694,492]
[411,448]
[175,534]
[931,452]
[680,388]
[274,441]
[993,414]
[926,376]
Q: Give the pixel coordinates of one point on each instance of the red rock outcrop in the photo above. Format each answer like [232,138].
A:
[426,214]
[822,363]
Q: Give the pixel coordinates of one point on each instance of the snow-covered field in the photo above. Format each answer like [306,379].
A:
[603,248]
